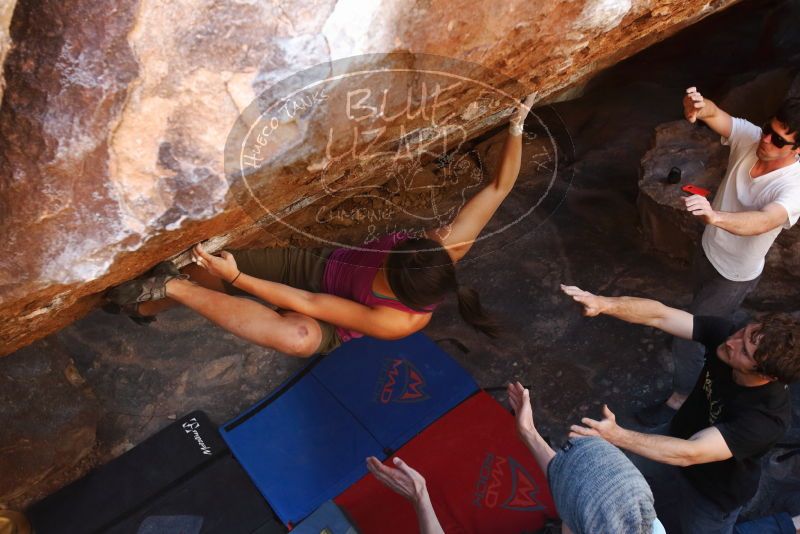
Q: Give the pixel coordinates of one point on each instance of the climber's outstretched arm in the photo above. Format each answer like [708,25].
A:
[460,234]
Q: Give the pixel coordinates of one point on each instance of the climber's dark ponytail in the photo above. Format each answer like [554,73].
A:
[421,272]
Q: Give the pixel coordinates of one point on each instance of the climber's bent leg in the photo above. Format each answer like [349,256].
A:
[291,333]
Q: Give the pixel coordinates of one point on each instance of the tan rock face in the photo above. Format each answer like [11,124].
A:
[6,11]
[115,120]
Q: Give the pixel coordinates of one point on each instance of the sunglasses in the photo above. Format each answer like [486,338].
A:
[774,138]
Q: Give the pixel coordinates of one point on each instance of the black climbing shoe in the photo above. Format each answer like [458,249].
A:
[151,286]
[125,298]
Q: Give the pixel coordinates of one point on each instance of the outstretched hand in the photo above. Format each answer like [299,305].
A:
[521,113]
[592,304]
[606,428]
[222,266]
[693,104]
[520,401]
[403,480]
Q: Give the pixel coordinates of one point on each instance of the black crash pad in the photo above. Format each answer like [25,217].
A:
[115,495]
[220,498]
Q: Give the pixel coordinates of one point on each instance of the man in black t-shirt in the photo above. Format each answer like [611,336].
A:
[739,408]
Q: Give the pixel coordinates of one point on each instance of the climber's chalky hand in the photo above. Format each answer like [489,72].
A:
[518,118]
[222,266]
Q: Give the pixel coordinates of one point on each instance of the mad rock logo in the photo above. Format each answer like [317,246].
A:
[504,483]
[400,382]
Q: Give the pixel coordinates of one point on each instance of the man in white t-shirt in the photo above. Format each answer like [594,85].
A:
[759,196]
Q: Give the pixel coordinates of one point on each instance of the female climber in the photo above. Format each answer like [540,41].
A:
[328,296]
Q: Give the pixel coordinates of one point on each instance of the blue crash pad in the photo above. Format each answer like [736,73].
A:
[307,442]
[395,388]
[328,519]
[301,448]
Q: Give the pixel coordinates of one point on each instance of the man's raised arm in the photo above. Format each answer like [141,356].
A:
[634,310]
[696,107]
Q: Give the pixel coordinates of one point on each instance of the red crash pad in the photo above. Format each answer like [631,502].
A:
[480,476]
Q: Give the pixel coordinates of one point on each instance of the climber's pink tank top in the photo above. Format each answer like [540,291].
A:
[349,274]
